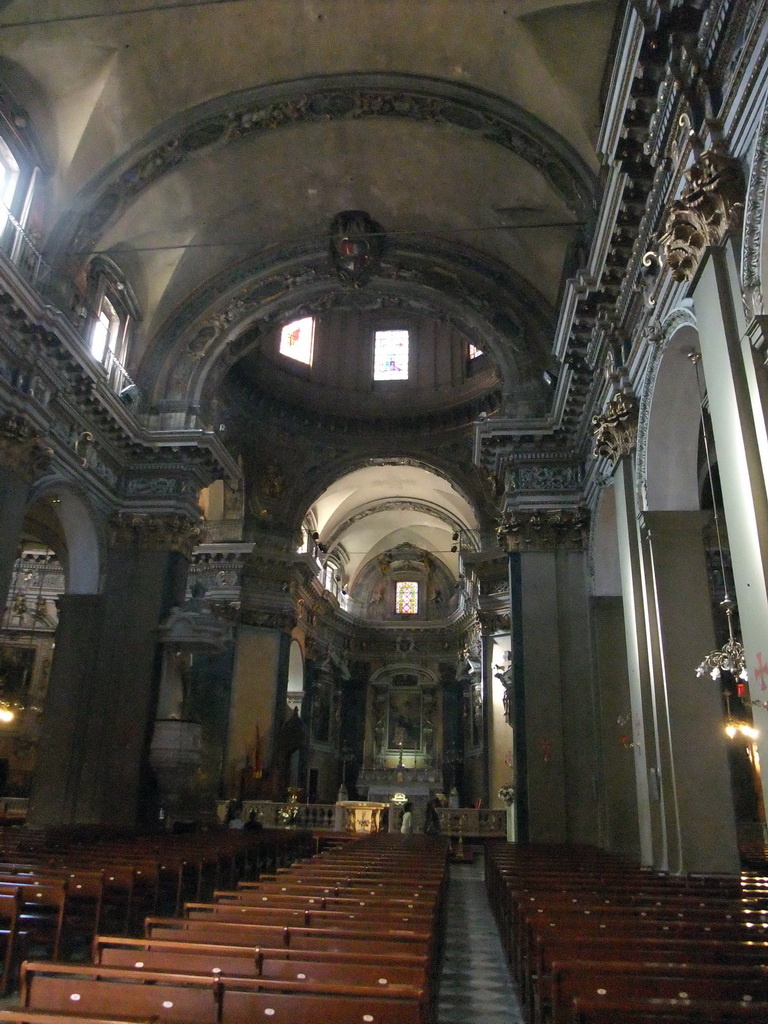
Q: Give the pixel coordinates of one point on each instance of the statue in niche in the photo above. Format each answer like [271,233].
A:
[379,712]
[321,712]
[193,626]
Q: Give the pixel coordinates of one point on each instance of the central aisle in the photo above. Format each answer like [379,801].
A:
[475,983]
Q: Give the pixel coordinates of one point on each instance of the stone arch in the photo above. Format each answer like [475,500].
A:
[200,342]
[79,529]
[226,119]
[342,467]
[669,420]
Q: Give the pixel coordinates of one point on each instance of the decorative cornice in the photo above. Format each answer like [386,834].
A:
[155,532]
[615,430]
[754,218]
[22,449]
[544,530]
[710,207]
[284,621]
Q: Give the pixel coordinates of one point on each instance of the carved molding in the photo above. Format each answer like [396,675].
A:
[754,218]
[544,530]
[710,207]
[494,622]
[283,621]
[22,449]
[155,532]
[615,430]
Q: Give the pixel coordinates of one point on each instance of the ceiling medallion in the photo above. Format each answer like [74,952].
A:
[356,247]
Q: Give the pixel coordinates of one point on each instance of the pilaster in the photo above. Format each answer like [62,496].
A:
[550,701]
[694,766]
[114,687]
[738,428]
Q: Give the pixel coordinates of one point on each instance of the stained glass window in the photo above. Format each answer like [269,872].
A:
[297,340]
[474,351]
[407,598]
[390,355]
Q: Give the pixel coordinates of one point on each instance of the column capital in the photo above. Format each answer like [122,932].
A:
[615,430]
[155,532]
[22,448]
[710,208]
[544,529]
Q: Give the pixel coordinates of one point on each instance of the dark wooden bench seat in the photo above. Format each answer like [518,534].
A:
[667,1011]
[364,917]
[192,998]
[236,934]
[324,899]
[612,980]
[126,952]
[536,986]
[66,988]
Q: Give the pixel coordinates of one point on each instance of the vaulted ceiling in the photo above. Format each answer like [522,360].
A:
[206,146]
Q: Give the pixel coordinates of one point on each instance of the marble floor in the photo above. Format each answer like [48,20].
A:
[475,983]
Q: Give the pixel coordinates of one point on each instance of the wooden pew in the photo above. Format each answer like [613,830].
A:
[193,999]
[618,981]
[382,918]
[667,1011]
[67,989]
[126,952]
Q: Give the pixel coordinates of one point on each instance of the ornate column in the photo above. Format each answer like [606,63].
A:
[93,763]
[188,632]
[616,439]
[23,457]
[550,700]
[702,226]
[260,676]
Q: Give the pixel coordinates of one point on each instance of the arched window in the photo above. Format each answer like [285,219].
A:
[407,597]
[9,179]
[390,355]
[112,310]
[297,340]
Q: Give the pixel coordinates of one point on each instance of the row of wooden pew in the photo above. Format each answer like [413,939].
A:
[63,889]
[592,939]
[352,935]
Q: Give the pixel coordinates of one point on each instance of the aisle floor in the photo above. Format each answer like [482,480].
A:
[475,983]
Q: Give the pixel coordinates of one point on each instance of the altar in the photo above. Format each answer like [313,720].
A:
[365,816]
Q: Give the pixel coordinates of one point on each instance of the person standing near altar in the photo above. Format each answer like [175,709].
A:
[406,822]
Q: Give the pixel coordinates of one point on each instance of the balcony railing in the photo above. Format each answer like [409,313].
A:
[56,290]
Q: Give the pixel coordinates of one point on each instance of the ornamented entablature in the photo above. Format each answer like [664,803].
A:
[710,207]
[544,529]
[615,430]
[155,532]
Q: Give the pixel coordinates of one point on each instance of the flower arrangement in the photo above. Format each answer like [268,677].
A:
[507,794]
